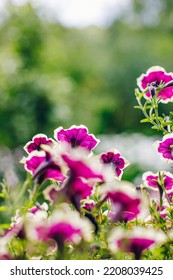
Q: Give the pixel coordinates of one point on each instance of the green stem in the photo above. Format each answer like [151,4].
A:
[23,189]
[157,123]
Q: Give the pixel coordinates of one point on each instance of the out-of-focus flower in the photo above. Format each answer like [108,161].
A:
[37,141]
[17,227]
[125,203]
[134,241]
[155,181]
[88,204]
[165,147]
[42,166]
[64,225]
[72,192]
[80,166]
[162,210]
[4,254]
[76,136]
[38,207]
[156,76]
[115,161]
[83,173]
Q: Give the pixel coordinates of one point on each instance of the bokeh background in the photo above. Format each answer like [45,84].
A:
[76,62]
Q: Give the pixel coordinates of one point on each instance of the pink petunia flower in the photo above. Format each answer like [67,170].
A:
[17,227]
[162,210]
[37,141]
[74,192]
[134,241]
[125,204]
[38,207]
[165,147]
[155,180]
[156,76]
[4,253]
[115,161]
[80,166]
[76,136]
[42,166]
[64,225]
[88,204]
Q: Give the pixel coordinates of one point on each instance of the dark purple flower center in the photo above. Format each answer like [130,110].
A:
[75,142]
[115,160]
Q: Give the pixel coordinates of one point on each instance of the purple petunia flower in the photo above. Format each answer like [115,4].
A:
[42,166]
[38,207]
[17,227]
[4,253]
[165,148]
[161,181]
[64,225]
[162,210]
[88,204]
[156,76]
[37,141]
[115,161]
[74,192]
[125,204]
[153,181]
[83,173]
[76,136]
[83,167]
[134,241]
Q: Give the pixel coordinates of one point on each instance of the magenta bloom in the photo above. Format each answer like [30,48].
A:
[76,136]
[42,166]
[62,226]
[60,231]
[5,257]
[116,161]
[73,192]
[134,241]
[152,180]
[165,147]
[162,211]
[81,168]
[16,229]
[38,207]
[80,187]
[154,77]
[37,141]
[125,205]
[88,205]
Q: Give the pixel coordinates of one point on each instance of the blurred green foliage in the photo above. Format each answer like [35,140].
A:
[51,75]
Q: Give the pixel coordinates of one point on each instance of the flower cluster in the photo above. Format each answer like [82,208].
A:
[157,82]
[76,204]
[155,87]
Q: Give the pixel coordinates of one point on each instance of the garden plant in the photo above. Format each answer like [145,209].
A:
[74,203]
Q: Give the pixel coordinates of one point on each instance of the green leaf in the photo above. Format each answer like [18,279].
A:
[148,107]
[145,120]
[3,208]
[4,226]
[160,119]
[2,195]
[138,94]
[154,127]
[167,123]
[137,107]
